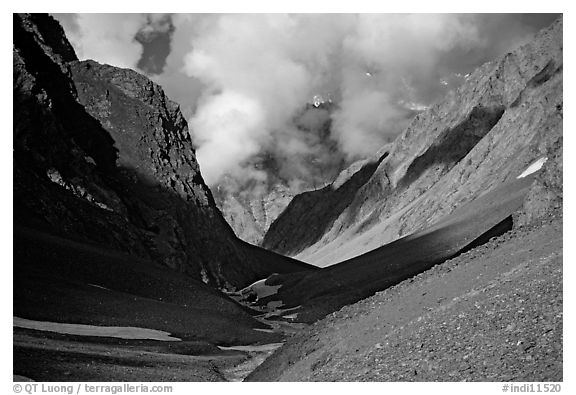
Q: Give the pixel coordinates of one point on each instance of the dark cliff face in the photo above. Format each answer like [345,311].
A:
[101,155]
[507,115]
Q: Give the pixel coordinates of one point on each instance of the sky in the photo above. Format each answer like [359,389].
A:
[247,82]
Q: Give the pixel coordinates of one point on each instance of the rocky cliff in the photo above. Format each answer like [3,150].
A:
[101,155]
[250,215]
[506,116]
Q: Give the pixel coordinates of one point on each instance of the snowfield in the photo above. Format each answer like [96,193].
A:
[534,167]
[261,289]
[257,348]
[121,332]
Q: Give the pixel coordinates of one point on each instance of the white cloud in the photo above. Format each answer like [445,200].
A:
[243,79]
[227,128]
[282,61]
[107,38]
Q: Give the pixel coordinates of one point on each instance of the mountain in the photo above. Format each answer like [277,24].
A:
[504,117]
[441,255]
[249,213]
[114,225]
[101,155]
[443,252]
[485,160]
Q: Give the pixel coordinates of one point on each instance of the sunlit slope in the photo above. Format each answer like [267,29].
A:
[504,117]
[330,288]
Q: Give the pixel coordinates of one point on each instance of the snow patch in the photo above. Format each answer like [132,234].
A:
[204,275]
[257,348]
[263,330]
[121,332]
[99,286]
[534,167]
[274,310]
[260,289]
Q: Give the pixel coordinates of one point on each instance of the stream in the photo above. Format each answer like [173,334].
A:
[257,354]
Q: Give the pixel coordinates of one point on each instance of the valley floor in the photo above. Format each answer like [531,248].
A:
[46,351]
[491,314]
[46,356]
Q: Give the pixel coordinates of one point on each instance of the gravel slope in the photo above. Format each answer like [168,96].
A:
[492,314]
[327,290]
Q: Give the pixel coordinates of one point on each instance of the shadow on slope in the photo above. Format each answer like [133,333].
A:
[330,288]
[64,281]
[78,175]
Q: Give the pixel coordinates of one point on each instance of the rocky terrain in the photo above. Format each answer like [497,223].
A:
[320,293]
[113,223]
[442,252]
[492,314]
[485,191]
[102,155]
[249,214]
[507,115]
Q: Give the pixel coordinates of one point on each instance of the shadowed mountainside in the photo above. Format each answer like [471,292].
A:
[113,223]
[102,156]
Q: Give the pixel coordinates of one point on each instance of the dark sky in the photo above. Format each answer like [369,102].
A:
[156,48]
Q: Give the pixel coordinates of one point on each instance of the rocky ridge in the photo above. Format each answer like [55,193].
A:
[507,115]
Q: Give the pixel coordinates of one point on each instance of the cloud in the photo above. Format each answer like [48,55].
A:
[367,119]
[181,87]
[156,23]
[245,81]
[115,39]
[245,59]
[106,38]
[228,130]
[155,37]
[282,61]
